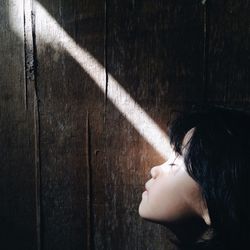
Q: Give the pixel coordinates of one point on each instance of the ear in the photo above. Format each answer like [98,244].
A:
[206,217]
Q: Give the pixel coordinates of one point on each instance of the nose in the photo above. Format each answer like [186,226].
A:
[155,171]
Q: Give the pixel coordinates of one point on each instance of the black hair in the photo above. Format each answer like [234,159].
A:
[217,157]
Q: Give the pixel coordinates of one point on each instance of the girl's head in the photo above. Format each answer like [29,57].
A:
[210,177]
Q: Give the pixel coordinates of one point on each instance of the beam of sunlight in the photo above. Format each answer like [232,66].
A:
[54,35]
[16,17]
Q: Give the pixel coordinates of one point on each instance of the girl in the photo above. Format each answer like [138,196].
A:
[202,192]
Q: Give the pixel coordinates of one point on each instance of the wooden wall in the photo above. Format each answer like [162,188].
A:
[72,167]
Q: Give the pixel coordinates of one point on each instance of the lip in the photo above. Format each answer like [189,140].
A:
[146,186]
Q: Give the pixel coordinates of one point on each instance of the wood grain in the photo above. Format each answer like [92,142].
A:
[72,165]
[19,225]
[155,51]
[228,53]
[69,145]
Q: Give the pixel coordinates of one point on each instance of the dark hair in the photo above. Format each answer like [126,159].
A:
[217,157]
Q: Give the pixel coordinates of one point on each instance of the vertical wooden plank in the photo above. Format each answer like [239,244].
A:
[155,51]
[228,54]
[18,221]
[71,142]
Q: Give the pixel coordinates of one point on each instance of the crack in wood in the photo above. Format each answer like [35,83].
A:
[30,82]
[90,221]
[25,57]
[38,170]
[29,73]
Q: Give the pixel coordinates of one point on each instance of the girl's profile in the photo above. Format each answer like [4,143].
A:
[202,191]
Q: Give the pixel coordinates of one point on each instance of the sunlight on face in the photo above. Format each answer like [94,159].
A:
[171,194]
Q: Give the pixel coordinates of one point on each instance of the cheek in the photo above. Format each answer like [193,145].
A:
[161,202]
[169,199]
[166,199]
[162,193]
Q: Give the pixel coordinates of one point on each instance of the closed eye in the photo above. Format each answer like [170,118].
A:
[174,167]
[172,164]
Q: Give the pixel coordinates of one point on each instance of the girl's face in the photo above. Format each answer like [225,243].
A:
[171,194]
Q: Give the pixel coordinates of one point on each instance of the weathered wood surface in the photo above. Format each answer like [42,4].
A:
[157,57]
[18,135]
[71,125]
[72,166]
[228,56]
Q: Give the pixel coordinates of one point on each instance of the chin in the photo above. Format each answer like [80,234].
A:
[141,211]
[143,214]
